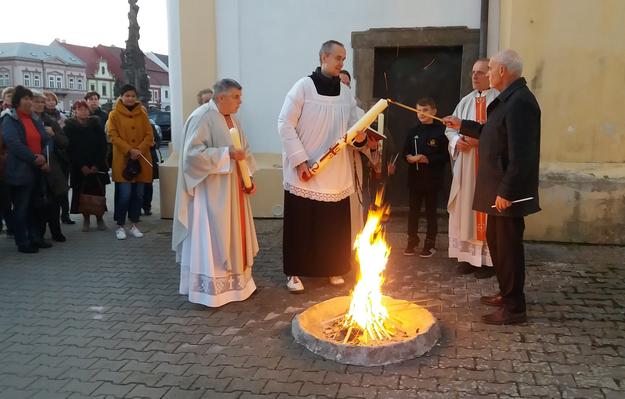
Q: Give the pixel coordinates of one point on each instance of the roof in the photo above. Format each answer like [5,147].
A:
[88,54]
[163,57]
[38,52]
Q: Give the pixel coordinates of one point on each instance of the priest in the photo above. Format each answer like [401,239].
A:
[467,228]
[213,234]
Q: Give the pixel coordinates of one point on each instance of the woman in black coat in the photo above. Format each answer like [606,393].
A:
[87,152]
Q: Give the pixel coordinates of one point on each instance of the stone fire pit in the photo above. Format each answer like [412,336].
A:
[420,327]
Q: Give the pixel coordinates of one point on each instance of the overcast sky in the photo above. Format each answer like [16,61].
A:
[84,22]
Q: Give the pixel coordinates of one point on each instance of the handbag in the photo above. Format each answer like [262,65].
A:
[132,169]
[89,204]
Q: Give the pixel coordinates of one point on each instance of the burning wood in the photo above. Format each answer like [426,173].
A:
[367,319]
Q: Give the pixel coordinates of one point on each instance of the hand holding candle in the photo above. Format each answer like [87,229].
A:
[362,124]
[245,172]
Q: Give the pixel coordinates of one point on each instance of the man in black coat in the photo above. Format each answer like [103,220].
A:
[509,158]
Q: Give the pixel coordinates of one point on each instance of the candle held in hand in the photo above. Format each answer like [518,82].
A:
[245,172]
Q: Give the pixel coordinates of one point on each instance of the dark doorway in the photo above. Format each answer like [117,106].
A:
[406,74]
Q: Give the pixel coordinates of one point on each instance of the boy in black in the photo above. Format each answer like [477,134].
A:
[426,152]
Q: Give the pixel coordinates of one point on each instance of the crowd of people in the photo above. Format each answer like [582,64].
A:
[492,141]
[45,154]
[495,183]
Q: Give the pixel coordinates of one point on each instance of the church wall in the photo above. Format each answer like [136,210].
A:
[269,45]
[574,61]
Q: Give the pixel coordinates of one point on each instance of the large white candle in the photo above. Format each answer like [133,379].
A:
[349,136]
[245,172]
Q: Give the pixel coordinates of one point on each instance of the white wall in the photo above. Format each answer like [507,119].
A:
[267,45]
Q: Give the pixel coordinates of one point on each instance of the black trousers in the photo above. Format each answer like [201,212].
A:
[148,193]
[417,197]
[51,213]
[316,237]
[504,236]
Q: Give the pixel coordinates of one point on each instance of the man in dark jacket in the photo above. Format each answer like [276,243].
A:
[507,179]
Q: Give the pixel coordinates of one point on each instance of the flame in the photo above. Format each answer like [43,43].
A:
[366,310]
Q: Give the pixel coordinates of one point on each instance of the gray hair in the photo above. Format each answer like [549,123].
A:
[37,93]
[224,85]
[511,60]
[326,48]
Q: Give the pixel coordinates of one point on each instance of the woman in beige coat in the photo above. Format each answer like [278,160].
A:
[130,134]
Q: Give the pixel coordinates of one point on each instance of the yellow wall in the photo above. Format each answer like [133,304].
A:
[574,61]
[198,50]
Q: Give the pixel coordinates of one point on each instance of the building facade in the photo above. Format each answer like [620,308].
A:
[45,68]
[99,76]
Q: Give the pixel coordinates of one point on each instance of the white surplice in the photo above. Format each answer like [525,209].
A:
[463,242]
[213,234]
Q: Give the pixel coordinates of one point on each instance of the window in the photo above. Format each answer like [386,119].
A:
[27,79]
[71,83]
[51,82]
[104,91]
[103,70]
[59,82]
[92,87]
[79,84]
[166,95]
[36,80]
[4,79]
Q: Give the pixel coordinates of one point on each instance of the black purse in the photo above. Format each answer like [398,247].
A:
[132,169]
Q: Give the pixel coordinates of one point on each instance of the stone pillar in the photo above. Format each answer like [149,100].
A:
[192,67]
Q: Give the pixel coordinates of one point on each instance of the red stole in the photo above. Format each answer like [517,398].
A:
[480,217]
[230,125]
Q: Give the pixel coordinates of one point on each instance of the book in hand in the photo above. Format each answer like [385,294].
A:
[373,134]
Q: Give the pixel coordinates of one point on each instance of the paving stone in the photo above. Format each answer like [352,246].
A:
[148,340]
[142,391]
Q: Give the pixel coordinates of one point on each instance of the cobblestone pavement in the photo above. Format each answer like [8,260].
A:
[97,317]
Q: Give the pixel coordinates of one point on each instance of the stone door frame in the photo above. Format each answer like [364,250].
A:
[364,44]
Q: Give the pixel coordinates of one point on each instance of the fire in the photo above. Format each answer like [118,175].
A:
[366,313]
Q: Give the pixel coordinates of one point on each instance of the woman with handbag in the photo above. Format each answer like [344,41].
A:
[88,174]
[130,132]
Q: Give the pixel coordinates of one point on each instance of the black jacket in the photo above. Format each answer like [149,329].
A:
[428,140]
[509,151]
[87,147]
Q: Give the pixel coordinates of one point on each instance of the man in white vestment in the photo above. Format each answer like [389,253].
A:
[214,235]
[467,228]
[317,111]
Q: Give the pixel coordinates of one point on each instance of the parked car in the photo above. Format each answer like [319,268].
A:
[163,120]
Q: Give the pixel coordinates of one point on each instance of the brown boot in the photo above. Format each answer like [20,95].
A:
[493,300]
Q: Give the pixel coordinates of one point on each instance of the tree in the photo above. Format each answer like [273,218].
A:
[133,59]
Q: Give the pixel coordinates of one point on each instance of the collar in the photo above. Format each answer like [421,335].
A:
[514,86]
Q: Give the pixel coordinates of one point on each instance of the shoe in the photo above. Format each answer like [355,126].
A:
[85,225]
[492,300]
[42,244]
[134,230]
[466,268]
[101,225]
[120,233]
[66,220]
[28,249]
[502,316]
[59,238]
[485,272]
[337,280]
[147,212]
[409,251]
[294,284]
[427,252]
